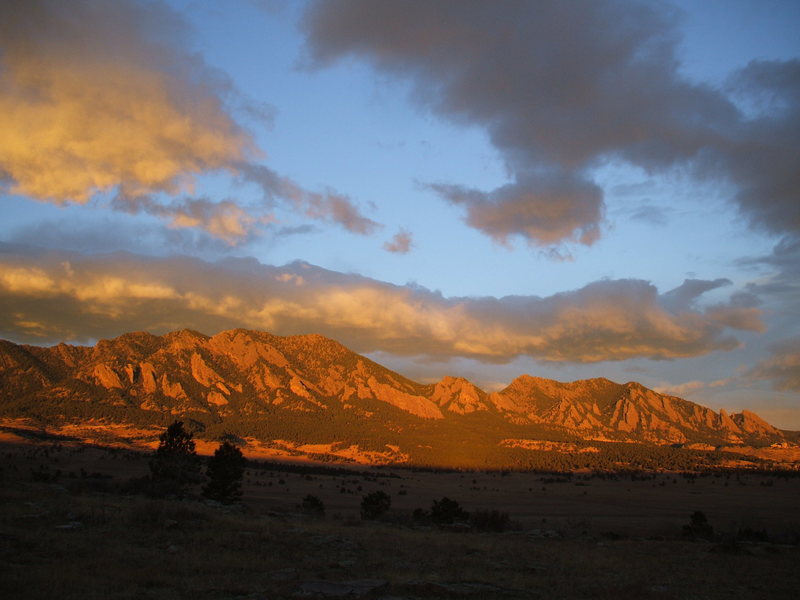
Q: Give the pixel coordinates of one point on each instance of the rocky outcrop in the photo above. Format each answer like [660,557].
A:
[457,395]
[249,374]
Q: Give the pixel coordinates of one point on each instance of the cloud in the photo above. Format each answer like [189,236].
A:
[564,87]
[330,206]
[683,389]
[782,367]
[400,242]
[653,215]
[544,211]
[224,220]
[763,157]
[84,297]
[95,95]
[683,296]
[103,97]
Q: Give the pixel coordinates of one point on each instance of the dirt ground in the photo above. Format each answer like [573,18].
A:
[66,531]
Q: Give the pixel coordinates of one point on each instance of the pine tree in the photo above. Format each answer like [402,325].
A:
[375,504]
[175,463]
[225,472]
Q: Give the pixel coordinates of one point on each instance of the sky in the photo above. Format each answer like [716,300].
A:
[481,189]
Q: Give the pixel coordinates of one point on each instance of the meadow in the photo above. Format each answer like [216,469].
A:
[71,528]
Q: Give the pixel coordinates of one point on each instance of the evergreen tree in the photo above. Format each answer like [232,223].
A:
[375,504]
[225,472]
[175,463]
[447,512]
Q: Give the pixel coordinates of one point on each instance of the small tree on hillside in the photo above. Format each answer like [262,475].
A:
[375,504]
[698,527]
[225,472]
[312,505]
[175,463]
[447,512]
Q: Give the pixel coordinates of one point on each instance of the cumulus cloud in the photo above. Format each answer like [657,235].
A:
[400,243]
[103,97]
[782,367]
[542,210]
[98,94]
[55,296]
[562,87]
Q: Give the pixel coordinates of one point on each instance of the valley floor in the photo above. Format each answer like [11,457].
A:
[67,532]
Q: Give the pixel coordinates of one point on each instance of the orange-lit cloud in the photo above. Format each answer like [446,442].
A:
[102,97]
[84,297]
[223,220]
[95,95]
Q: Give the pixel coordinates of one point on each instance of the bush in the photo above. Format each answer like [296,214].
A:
[447,512]
[420,515]
[312,505]
[490,520]
[225,472]
[375,504]
[698,527]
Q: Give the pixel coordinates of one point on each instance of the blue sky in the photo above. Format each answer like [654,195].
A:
[480,189]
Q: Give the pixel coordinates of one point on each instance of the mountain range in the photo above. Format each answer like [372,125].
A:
[310,395]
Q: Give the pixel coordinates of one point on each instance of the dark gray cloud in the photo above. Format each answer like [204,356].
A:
[543,210]
[561,87]
[782,367]
[49,296]
[782,284]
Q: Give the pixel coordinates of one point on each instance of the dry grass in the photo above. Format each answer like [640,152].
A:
[64,540]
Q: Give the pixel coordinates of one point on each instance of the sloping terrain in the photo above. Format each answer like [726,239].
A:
[310,391]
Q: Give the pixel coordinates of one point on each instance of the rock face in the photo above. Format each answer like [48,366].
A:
[602,406]
[253,376]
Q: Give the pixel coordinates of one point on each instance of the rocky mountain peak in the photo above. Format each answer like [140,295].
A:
[251,376]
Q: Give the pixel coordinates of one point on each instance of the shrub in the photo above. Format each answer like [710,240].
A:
[698,527]
[420,515]
[375,504]
[447,511]
[752,535]
[490,520]
[225,472]
[312,505]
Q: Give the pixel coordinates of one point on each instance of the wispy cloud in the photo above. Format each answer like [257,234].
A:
[329,206]
[225,220]
[73,296]
[688,387]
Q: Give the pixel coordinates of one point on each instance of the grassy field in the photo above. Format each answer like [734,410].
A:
[67,531]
